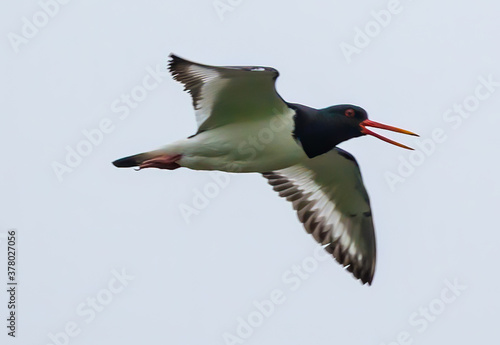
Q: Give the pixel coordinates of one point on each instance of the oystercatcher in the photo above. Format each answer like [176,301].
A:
[245,126]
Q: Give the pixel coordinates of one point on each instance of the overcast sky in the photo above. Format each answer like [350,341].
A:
[110,256]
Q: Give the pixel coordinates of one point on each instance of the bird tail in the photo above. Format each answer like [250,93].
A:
[134,160]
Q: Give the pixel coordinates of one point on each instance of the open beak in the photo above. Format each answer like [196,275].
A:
[370,123]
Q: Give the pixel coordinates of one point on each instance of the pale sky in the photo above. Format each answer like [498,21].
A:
[105,255]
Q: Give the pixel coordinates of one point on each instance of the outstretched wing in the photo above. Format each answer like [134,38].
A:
[331,201]
[223,95]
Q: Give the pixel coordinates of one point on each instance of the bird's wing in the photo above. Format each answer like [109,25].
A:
[331,201]
[223,95]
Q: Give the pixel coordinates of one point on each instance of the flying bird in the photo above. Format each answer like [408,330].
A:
[245,126]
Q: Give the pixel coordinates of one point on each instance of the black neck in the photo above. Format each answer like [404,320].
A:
[318,131]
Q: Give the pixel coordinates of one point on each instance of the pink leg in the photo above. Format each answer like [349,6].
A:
[161,162]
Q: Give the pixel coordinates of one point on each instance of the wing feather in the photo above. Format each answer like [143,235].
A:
[331,201]
[223,95]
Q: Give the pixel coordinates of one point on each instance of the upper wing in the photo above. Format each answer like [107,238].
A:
[332,203]
[223,95]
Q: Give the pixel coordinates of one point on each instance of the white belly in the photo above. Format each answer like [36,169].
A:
[257,146]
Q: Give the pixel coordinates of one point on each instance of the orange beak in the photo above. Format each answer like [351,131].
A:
[370,123]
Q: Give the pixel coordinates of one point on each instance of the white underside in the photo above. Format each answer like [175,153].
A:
[253,146]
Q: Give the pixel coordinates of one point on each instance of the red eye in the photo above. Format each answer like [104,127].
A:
[349,113]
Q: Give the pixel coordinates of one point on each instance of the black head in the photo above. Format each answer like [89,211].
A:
[348,118]
[321,130]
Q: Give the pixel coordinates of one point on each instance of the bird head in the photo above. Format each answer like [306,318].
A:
[354,122]
[321,130]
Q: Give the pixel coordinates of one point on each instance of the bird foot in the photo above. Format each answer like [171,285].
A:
[161,162]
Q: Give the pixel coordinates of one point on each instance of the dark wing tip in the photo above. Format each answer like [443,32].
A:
[363,269]
[179,69]
[177,64]
[175,57]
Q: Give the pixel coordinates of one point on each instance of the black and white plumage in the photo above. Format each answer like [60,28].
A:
[245,126]
[331,201]
[222,95]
